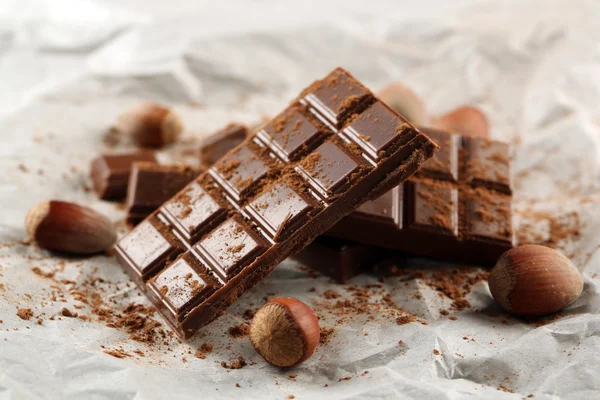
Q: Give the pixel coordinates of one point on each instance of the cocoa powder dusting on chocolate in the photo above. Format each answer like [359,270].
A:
[296,126]
[184,199]
[280,122]
[349,102]
[309,163]
[229,168]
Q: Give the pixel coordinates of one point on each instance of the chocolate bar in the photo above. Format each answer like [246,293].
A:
[340,259]
[213,147]
[457,207]
[110,173]
[268,198]
[150,185]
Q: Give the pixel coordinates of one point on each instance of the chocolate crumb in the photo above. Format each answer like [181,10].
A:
[65,312]
[238,331]
[234,364]
[248,314]
[25,313]
[331,294]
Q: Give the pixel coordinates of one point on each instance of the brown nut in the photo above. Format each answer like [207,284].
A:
[532,280]
[405,102]
[68,227]
[466,120]
[151,125]
[285,332]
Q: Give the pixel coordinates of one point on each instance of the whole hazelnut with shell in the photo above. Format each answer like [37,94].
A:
[405,102]
[69,227]
[532,280]
[151,125]
[285,332]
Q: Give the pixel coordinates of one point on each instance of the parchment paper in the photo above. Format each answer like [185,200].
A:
[69,67]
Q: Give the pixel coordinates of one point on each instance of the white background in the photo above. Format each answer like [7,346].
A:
[69,67]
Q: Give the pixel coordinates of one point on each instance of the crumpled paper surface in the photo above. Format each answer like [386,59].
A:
[69,67]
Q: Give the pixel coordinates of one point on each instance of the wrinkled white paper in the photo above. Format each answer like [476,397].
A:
[69,67]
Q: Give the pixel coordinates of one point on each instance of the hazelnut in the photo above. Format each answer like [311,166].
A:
[405,102]
[466,120]
[285,332]
[532,280]
[151,125]
[68,227]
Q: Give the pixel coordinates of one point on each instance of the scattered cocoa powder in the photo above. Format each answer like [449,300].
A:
[118,353]
[453,283]
[331,294]
[406,319]
[326,334]
[371,300]
[38,271]
[238,363]
[240,330]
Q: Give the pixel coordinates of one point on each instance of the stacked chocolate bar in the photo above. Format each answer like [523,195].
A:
[337,165]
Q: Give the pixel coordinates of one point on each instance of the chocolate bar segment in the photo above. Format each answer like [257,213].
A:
[150,185]
[340,259]
[213,147]
[253,209]
[194,211]
[288,134]
[239,170]
[457,207]
[110,173]
[181,284]
[147,248]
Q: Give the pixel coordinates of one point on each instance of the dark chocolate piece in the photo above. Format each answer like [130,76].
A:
[110,173]
[231,226]
[150,185]
[215,146]
[340,259]
[457,207]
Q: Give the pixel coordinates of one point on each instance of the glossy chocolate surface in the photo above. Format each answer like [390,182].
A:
[457,207]
[340,259]
[110,173]
[150,185]
[255,207]
[213,147]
